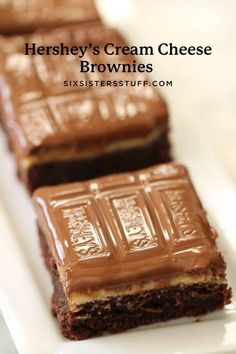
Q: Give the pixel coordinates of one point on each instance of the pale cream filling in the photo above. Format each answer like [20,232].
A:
[78,298]
[68,154]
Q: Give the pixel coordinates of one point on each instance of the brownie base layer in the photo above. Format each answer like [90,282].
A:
[118,314]
[77,170]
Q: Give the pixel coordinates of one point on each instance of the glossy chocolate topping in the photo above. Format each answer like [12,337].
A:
[22,16]
[127,227]
[40,113]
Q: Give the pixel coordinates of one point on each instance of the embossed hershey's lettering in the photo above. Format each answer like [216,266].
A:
[83,236]
[133,223]
[186,219]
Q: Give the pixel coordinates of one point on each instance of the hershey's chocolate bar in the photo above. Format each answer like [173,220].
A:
[127,227]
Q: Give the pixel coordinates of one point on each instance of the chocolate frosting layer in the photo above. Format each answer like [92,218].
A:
[128,227]
[22,16]
[40,113]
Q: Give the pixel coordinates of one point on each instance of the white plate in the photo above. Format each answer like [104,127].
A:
[25,285]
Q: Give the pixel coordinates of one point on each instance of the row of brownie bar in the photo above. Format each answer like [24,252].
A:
[125,249]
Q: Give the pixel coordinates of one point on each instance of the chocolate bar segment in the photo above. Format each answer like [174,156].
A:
[25,16]
[129,249]
[63,134]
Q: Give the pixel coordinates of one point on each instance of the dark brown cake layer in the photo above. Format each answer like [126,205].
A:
[136,310]
[122,313]
[120,161]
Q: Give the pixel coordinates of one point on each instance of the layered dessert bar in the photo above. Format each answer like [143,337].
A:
[25,16]
[61,133]
[128,250]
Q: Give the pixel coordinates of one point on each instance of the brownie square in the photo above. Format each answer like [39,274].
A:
[128,250]
[63,134]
